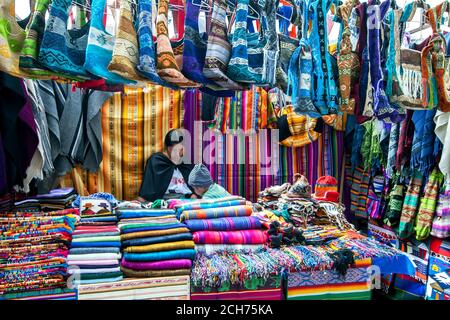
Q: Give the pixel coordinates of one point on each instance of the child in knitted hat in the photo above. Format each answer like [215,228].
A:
[204,187]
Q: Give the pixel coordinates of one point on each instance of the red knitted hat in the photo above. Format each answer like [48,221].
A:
[324,184]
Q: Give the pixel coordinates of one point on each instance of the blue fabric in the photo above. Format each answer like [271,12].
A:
[99,195]
[141,213]
[147,52]
[91,249]
[100,46]
[399,264]
[92,281]
[63,50]
[100,219]
[96,244]
[159,239]
[163,227]
[163,255]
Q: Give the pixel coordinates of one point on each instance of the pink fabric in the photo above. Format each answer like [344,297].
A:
[158,265]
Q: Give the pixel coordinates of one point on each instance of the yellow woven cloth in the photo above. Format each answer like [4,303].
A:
[188,244]
[301,128]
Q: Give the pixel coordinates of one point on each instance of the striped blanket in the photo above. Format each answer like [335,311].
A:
[230,237]
[208,204]
[224,224]
[160,239]
[212,213]
[187,244]
[142,213]
[152,233]
[163,255]
[158,265]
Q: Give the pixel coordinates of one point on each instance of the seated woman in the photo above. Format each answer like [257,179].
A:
[204,187]
[165,173]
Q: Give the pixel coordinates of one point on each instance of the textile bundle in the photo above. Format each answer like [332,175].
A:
[33,253]
[155,243]
[56,199]
[95,255]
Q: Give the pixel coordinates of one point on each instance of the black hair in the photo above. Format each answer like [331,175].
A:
[173,137]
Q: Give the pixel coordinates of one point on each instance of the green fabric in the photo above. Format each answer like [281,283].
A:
[100,275]
[216,191]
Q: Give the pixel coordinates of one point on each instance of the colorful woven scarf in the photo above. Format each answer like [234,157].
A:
[410,206]
[441,222]
[394,208]
[428,205]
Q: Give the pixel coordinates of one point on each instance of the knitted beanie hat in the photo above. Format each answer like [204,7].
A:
[200,176]
[301,187]
[324,184]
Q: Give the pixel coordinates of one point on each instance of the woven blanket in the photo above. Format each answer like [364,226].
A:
[153,233]
[234,211]
[146,219]
[96,244]
[94,250]
[93,270]
[230,237]
[207,204]
[93,240]
[140,213]
[163,255]
[154,273]
[93,281]
[161,239]
[224,224]
[149,227]
[101,262]
[93,256]
[127,223]
[158,265]
[93,266]
[161,247]
[98,234]
[99,275]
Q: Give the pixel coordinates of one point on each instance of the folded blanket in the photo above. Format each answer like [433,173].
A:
[101,262]
[224,224]
[230,237]
[235,211]
[96,244]
[212,203]
[163,255]
[94,270]
[155,273]
[96,234]
[100,219]
[94,281]
[93,266]
[95,228]
[162,247]
[94,250]
[99,275]
[139,213]
[151,228]
[97,239]
[159,265]
[149,222]
[146,219]
[161,239]
[153,233]
[213,248]
[94,256]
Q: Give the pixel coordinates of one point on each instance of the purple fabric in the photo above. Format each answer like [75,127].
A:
[56,193]
[158,265]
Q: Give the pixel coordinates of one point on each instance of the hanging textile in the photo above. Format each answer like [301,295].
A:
[170,55]
[410,206]
[441,223]
[100,46]
[12,36]
[63,50]
[133,127]
[218,49]
[125,56]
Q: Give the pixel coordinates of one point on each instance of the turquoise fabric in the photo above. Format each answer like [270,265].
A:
[100,47]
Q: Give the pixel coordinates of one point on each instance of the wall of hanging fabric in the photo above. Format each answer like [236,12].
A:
[134,125]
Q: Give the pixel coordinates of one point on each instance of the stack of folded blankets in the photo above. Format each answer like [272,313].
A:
[94,255]
[57,199]
[155,243]
[33,252]
[222,223]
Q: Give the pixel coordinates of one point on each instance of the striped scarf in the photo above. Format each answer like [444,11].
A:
[410,205]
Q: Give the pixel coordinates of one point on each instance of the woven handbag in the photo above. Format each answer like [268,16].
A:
[147,51]
[100,46]
[12,37]
[441,223]
[125,56]
[249,60]
[170,54]
[63,50]
[218,49]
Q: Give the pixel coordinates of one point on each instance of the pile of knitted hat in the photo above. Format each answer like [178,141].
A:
[285,234]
